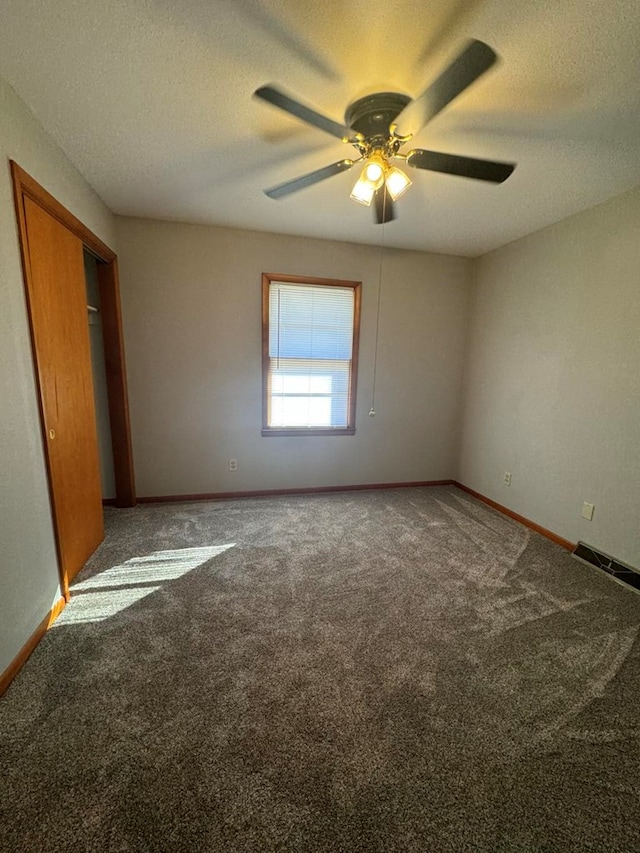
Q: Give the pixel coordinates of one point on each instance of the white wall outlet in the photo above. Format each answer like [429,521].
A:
[507,478]
[233,464]
[587,510]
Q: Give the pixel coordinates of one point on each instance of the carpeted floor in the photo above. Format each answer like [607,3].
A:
[403,671]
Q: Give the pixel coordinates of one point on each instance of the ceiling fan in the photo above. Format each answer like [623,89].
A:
[379,125]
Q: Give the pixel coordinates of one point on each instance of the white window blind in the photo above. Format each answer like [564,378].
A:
[310,355]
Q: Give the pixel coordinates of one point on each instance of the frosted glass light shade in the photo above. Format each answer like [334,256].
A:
[363,191]
[397,182]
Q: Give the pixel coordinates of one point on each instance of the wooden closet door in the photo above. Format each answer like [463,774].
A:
[60,333]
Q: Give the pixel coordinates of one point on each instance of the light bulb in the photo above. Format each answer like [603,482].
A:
[374,173]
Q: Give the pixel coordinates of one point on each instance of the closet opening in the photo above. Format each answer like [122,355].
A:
[98,369]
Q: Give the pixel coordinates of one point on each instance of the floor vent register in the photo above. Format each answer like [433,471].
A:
[618,570]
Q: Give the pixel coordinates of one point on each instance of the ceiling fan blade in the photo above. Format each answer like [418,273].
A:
[274,96]
[475,59]
[466,167]
[383,206]
[309,179]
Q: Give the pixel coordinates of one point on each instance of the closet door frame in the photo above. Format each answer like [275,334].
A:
[24,186]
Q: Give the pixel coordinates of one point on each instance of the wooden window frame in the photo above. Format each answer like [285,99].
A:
[356,286]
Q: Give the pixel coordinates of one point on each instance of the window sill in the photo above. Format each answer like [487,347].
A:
[276,431]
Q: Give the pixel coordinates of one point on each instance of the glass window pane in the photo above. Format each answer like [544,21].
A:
[300,411]
[301,383]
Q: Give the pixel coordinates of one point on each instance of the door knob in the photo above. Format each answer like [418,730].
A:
[52,433]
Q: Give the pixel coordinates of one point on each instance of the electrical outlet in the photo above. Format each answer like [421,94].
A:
[587,510]
[233,464]
[507,478]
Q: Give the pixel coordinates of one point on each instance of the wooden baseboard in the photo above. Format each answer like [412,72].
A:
[20,659]
[526,521]
[266,493]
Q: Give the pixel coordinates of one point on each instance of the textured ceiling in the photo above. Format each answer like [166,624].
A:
[151,99]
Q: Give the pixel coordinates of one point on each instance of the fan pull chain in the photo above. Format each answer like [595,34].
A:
[372,410]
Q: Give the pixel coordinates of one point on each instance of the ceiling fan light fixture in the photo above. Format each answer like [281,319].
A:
[371,179]
[363,191]
[397,182]
[374,173]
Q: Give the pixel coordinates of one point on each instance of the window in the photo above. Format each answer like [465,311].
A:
[310,330]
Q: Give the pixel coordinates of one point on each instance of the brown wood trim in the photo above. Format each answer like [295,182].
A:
[355,346]
[308,279]
[517,517]
[267,278]
[312,490]
[283,433]
[265,351]
[116,375]
[29,187]
[20,659]
[109,502]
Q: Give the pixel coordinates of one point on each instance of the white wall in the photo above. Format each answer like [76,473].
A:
[191,300]
[552,383]
[28,566]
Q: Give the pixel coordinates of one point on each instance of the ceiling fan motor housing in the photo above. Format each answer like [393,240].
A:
[372,115]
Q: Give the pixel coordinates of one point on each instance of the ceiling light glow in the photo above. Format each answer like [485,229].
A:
[377,173]
[397,182]
[363,191]
[374,173]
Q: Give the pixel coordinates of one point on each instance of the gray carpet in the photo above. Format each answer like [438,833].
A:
[391,671]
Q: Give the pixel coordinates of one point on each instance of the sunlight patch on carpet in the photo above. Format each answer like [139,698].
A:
[118,587]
